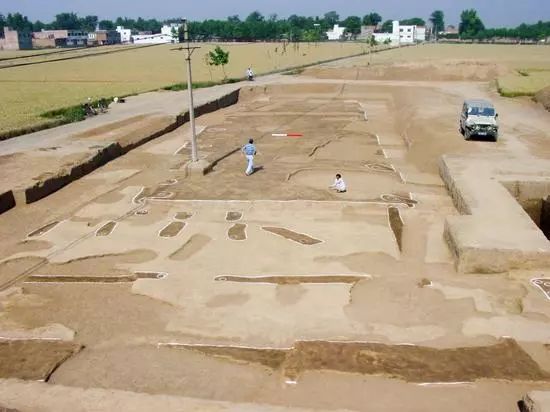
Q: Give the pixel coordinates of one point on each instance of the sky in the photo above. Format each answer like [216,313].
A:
[494,13]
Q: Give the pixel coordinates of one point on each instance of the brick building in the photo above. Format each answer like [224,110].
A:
[15,40]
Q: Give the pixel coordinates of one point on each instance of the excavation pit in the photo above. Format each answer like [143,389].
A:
[94,279]
[106,229]
[505,360]
[33,359]
[233,216]
[237,232]
[293,236]
[294,280]
[183,215]
[172,229]
[43,229]
[543,284]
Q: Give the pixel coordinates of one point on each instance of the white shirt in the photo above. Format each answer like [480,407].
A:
[339,185]
[249,73]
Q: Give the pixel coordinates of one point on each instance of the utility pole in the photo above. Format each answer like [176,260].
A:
[190,50]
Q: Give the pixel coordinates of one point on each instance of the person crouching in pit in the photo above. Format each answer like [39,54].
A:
[339,185]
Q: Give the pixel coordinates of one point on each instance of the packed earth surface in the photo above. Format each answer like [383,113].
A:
[148,285]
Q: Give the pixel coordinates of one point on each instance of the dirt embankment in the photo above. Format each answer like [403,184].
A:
[441,71]
[543,97]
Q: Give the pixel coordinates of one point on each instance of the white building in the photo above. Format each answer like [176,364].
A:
[402,34]
[125,34]
[153,39]
[170,29]
[337,33]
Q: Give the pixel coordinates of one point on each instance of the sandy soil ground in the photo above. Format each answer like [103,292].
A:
[272,289]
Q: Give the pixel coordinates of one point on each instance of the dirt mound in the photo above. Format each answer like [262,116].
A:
[441,71]
[543,97]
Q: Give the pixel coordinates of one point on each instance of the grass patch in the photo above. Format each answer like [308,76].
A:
[73,114]
[177,87]
[294,72]
[525,82]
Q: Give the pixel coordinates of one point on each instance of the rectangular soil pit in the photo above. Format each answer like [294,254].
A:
[33,359]
[291,235]
[172,229]
[505,360]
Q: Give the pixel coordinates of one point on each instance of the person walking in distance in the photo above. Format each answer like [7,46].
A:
[249,74]
[249,150]
[339,185]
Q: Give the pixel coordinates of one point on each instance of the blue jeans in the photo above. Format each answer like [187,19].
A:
[250,166]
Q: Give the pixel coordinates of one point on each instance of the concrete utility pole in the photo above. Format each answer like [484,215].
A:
[190,50]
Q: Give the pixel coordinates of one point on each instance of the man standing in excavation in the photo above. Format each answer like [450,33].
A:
[249,150]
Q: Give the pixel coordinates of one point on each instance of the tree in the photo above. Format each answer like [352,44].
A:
[2,24]
[372,19]
[106,25]
[470,24]
[353,26]
[18,22]
[88,23]
[66,21]
[387,27]
[331,18]
[219,57]
[437,19]
[415,21]
[39,26]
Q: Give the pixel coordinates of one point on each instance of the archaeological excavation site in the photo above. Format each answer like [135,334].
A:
[129,278]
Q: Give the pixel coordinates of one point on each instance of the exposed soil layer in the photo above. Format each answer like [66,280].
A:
[290,235]
[12,269]
[293,280]
[172,229]
[237,232]
[505,360]
[106,229]
[543,97]
[544,285]
[100,265]
[396,224]
[194,245]
[233,216]
[33,359]
[183,215]
[91,279]
[43,229]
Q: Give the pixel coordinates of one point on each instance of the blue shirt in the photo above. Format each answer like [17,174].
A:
[249,149]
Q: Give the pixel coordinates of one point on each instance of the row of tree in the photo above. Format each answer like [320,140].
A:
[295,28]
[254,27]
[71,21]
[472,27]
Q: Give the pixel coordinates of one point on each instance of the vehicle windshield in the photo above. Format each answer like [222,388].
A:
[481,111]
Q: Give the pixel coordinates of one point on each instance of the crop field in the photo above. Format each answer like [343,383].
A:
[29,91]
[524,82]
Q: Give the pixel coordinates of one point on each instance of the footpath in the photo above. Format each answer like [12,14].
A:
[38,164]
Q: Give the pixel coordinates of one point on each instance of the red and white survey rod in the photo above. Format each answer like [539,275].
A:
[287,134]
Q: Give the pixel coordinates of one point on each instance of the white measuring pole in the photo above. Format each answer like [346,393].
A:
[194,153]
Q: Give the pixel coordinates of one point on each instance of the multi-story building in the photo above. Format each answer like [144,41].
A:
[170,29]
[402,34]
[60,38]
[15,40]
[77,38]
[103,38]
[337,33]
[125,34]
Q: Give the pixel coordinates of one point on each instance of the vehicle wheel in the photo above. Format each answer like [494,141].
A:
[461,129]
[466,135]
